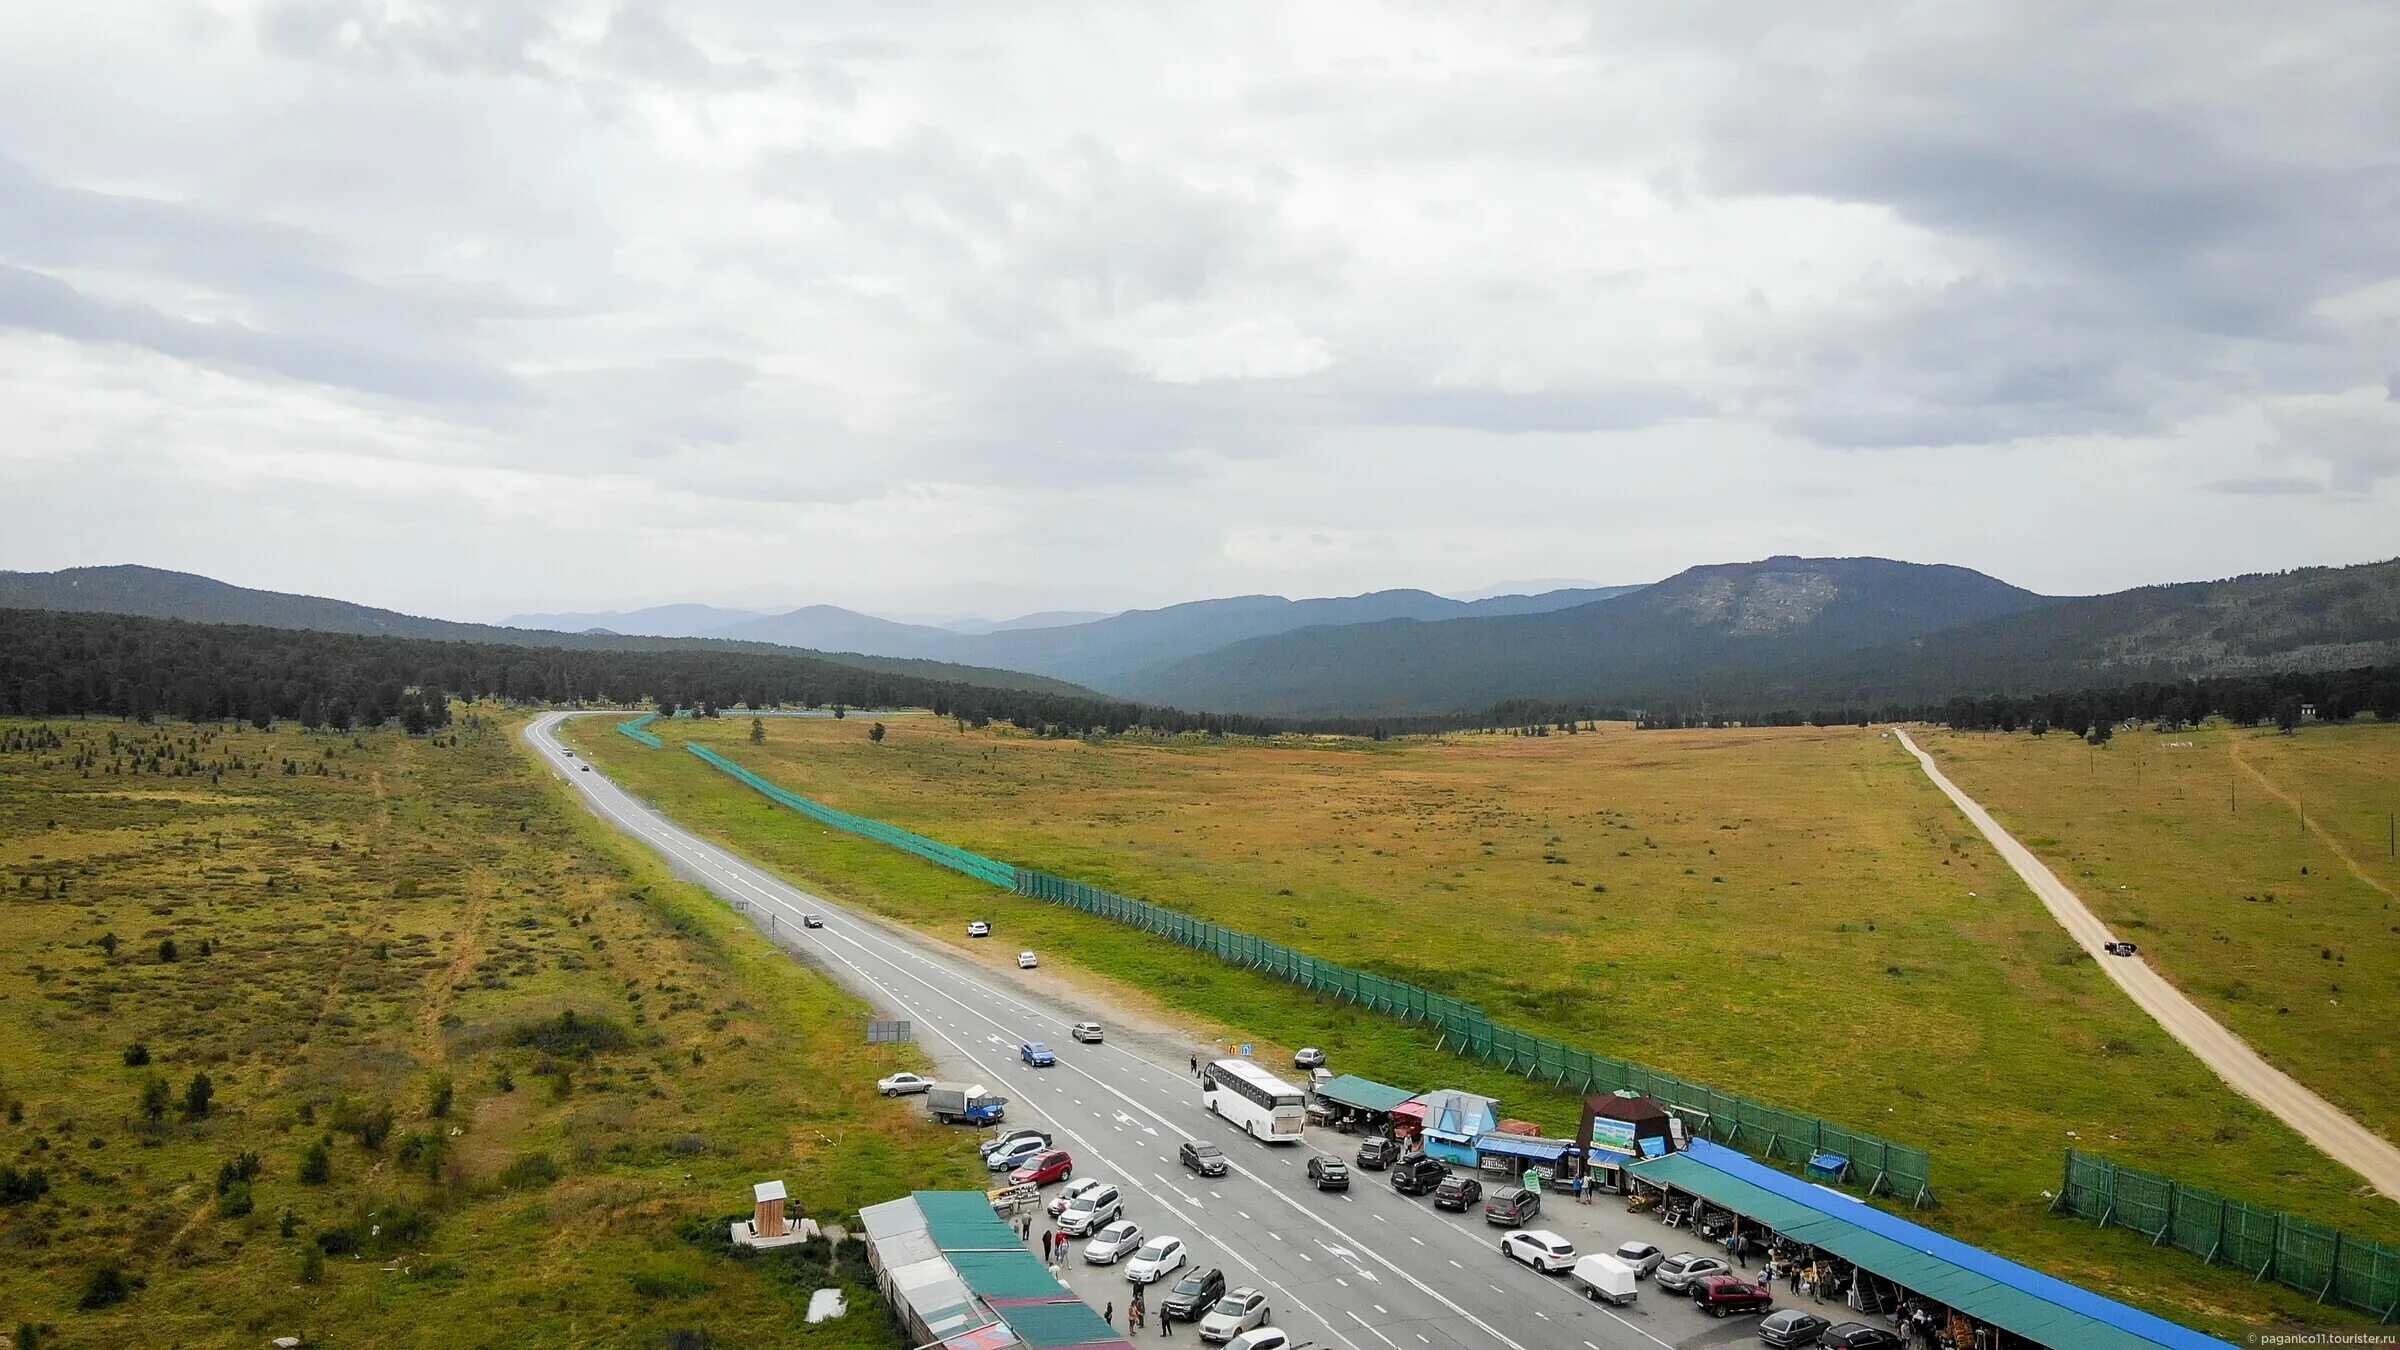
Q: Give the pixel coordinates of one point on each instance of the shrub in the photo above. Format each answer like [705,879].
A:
[316,1164]
[236,1201]
[155,1099]
[243,1167]
[107,1286]
[423,1152]
[312,1266]
[166,950]
[529,1172]
[197,1095]
[136,1055]
[370,1125]
[580,1035]
[438,1094]
[17,1188]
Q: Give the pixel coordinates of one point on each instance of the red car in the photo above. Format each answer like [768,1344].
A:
[1722,1294]
[1043,1168]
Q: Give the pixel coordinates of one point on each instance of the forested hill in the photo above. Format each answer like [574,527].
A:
[54,664]
[156,593]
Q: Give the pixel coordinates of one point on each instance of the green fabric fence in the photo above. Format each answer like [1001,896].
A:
[1877,1166]
[2332,1266]
[634,729]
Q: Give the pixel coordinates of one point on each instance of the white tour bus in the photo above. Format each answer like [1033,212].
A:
[1267,1108]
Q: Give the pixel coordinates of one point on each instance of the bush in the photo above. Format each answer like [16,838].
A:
[17,1188]
[312,1266]
[136,1055]
[243,1167]
[580,1035]
[155,1099]
[235,1201]
[529,1172]
[166,950]
[370,1125]
[438,1093]
[107,1286]
[316,1164]
[422,1152]
[197,1095]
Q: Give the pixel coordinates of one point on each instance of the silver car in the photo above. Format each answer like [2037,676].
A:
[1237,1312]
[1678,1273]
[1113,1243]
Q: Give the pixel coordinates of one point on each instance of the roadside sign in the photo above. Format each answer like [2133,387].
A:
[881,1032]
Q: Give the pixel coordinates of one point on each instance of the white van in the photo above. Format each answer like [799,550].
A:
[1604,1279]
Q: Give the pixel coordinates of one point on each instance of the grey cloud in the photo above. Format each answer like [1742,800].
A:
[450,36]
[2269,486]
[1624,406]
[38,302]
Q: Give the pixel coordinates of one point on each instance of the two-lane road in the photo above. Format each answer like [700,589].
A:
[1364,1269]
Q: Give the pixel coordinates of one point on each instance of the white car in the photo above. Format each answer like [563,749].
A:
[1090,1210]
[979,929]
[1000,1141]
[1025,961]
[1237,1312]
[1539,1248]
[1157,1259]
[1113,1243]
[1263,1338]
[902,1084]
[1087,1032]
[1067,1194]
[1007,1156]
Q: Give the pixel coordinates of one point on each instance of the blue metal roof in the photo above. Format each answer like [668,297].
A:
[1524,1146]
[1972,1270]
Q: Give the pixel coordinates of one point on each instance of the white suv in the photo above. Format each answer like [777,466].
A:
[1539,1248]
[1090,1210]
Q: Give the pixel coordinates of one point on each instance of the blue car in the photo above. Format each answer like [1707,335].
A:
[1037,1054]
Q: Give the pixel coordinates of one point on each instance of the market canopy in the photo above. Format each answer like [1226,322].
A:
[1524,1146]
[1989,1288]
[1364,1093]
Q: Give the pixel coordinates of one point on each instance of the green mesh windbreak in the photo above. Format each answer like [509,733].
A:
[634,729]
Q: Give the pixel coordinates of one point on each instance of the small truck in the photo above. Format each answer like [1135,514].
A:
[960,1104]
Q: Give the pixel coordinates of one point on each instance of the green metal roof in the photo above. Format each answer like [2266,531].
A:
[1363,1093]
[965,1221]
[1046,1326]
[1975,1293]
[1010,1274]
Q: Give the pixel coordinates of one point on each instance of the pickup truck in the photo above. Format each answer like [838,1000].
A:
[959,1104]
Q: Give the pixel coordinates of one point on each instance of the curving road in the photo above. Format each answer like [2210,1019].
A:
[1366,1270]
[2321,1122]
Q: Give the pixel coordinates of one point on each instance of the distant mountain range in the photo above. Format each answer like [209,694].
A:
[1787,632]
[1802,633]
[159,594]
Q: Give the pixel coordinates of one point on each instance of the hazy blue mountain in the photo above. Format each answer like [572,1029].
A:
[1739,616]
[1053,618]
[832,628]
[656,621]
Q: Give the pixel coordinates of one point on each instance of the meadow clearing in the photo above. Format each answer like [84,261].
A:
[2253,868]
[1790,913]
[478,1072]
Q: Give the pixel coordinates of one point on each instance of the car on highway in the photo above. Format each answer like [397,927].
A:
[1417,1174]
[979,928]
[568,753]
[812,921]
[1090,1210]
[1087,1032]
[1679,1272]
[1237,1312]
[1067,1193]
[1718,1295]
[1027,961]
[1113,1243]
[1512,1206]
[1539,1248]
[2120,948]
[1643,1257]
[1037,1054]
[1328,1173]
[1156,1259]
[1043,1168]
[1456,1193]
[902,1084]
[1378,1152]
[587,768]
[1858,1336]
[1193,1295]
[1791,1329]
[1262,1338]
[1203,1157]
[1002,1140]
[1008,1156]
[1310,1057]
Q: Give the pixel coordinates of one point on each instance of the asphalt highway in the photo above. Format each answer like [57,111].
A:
[1368,1269]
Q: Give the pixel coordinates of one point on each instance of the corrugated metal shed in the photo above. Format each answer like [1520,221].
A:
[1060,1322]
[1519,1146]
[1015,1273]
[1989,1288]
[1364,1093]
[965,1221]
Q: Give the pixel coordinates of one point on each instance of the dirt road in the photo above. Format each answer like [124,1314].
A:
[2342,1139]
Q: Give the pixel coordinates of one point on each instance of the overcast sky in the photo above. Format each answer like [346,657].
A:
[467,308]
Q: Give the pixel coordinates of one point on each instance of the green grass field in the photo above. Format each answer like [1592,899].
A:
[2193,844]
[388,914]
[1795,915]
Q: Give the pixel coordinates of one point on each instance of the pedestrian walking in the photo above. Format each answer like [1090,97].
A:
[1110,1316]
[1166,1325]
[1195,1066]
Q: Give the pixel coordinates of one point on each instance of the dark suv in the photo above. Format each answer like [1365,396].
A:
[1328,1173]
[1418,1174]
[1378,1152]
[1512,1207]
[1194,1294]
[1457,1193]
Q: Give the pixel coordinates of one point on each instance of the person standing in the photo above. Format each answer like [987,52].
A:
[1110,1316]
